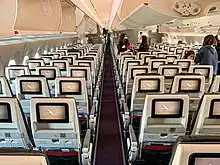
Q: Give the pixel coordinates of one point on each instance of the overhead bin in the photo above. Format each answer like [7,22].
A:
[145,16]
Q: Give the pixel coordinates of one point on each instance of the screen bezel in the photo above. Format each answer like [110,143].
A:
[33,62]
[11,69]
[178,63]
[47,63]
[211,116]
[55,74]
[85,70]
[134,62]
[194,69]
[85,63]
[66,58]
[132,71]
[9,120]
[59,67]
[31,93]
[153,111]
[189,91]
[163,70]
[70,93]
[52,121]
[146,91]
[193,156]
[159,65]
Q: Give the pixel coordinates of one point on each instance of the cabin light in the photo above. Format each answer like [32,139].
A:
[11,62]
[25,60]
[45,51]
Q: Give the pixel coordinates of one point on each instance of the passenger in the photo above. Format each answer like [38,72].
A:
[120,42]
[126,45]
[218,44]
[207,54]
[190,55]
[144,47]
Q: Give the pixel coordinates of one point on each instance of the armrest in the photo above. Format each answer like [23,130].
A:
[133,146]
[86,149]
[92,118]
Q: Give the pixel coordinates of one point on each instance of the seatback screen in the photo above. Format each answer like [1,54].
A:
[214,108]
[61,65]
[50,74]
[170,59]
[149,85]
[204,159]
[169,73]
[202,71]
[132,63]
[31,87]
[189,85]
[1,91]
[179,51]
[47,60]
[135,71]
[172,49]
[68,87]
[167,108]
[33,65]
[156,64]
[69,59]
[13,73]
[52,112]
[79,73]
[184,64]
[5,113]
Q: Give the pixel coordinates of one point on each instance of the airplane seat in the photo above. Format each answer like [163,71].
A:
[47,58]
[50,72]
[91,64]
[56,130]
[207,120]
[5,89]
[185,63]
[28,87]
[132,72]
[164,119]
[171,58]
[75,88]
[194,86]
[71,59]
[141,54]
[143,85]
[205,70]
[196,150]
[121,60]
[161,54]
[155,63]
[74,55]
[33,64]
[62,64]
[82,72]
[127,64]
[12,72]
[169,71]
[146,58]
[23,156]
[14,130]
[215,86]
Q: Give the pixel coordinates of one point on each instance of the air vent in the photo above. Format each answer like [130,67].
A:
[213,10]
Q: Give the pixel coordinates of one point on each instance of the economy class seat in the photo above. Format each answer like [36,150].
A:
[127,63]
[34,63]
[155,63]
[75,88]
[215,86]
[132,72]
[122,59]
[23,156]
[196,150]
[50,72]
[140,54]
[164,119]
[192,85]
[185,63]
[171,58]
[205,70]
[14,129]
[70,59]
[169,72]
[28,87]
[5,89]
[47,58]
[146,58]
[208,117]
[55,128]
[12,72]
[62,64]
[82,72]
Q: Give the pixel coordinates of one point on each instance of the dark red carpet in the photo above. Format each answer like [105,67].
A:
[109,151]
